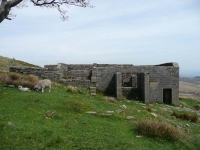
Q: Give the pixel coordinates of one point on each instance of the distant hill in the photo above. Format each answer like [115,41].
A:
[191,80]
[5,63]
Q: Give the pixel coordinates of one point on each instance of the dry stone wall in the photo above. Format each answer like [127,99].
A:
[150,83]
[54,75]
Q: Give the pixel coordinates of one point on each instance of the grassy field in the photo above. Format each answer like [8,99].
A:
[59,120]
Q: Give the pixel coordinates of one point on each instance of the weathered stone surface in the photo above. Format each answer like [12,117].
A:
[91,112]
[152,83]
[118,111]
[130,117]
[123,106]
[109,112]
[154,115]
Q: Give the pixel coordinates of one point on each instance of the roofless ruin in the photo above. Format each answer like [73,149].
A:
[150,83]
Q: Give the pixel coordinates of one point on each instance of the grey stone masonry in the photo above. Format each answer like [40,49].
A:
[92,91]
[150,83]
[118,78]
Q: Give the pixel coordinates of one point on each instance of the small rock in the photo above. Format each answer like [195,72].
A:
[119,111]
[91,112]
[187,125]
[155,116]
[123,106]
[109,112]
[139,136]
[180,124]
[10,123]
[130,117]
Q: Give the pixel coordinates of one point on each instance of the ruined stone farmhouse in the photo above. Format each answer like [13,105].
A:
[150,83]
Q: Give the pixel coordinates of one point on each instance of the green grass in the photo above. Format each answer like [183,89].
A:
[58,120]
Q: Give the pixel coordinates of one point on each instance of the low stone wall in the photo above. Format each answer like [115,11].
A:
[156,83]
[41,72]
[75,82]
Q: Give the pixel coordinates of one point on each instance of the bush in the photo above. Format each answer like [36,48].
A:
[154,129]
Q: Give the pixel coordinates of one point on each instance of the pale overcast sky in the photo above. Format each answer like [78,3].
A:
[139,32]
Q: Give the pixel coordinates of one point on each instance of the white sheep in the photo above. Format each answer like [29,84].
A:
[42,84]
[23,89]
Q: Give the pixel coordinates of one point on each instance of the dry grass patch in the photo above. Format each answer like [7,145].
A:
[77,107]
[154,129]
[197,106]
[71,89]
[185,116]
[149,109]
[110,99]
[17,79]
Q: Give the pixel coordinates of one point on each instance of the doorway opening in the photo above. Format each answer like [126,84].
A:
[167,96]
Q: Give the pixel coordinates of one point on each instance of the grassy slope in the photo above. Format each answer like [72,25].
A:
[57,120]
[6,62]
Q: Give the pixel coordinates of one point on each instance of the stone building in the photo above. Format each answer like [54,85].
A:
[150,83]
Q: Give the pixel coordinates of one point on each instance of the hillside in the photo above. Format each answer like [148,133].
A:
[189,88]
[64,120]
[6,62]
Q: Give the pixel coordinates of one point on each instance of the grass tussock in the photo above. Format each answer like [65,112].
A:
[154,129]
[185,116]
[149,109]
[197,106]
[17,79]
[110,99]
[77,107]
[71,89]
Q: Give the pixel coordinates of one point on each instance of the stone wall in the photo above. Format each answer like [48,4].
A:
[46,73]
[149,83]
[151,80]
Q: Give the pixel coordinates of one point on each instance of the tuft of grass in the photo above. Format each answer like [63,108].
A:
[17,79]
[175,114]
[197,106]
[185,116]
[5,79]
[110,99]
[76,107]
[71,89]
[15,76]
[154,129]
[149,109]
